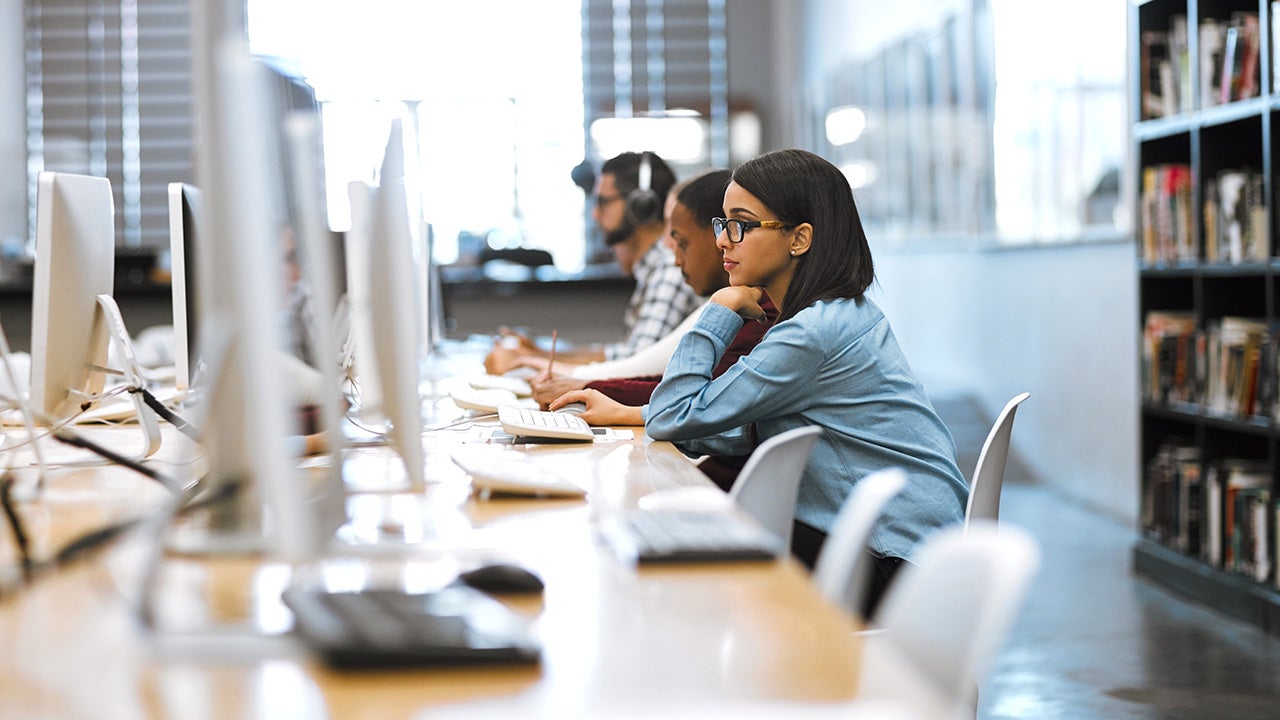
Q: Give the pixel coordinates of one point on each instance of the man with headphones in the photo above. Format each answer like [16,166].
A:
[629,197]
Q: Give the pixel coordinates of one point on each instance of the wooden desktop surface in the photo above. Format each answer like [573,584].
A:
[615,638]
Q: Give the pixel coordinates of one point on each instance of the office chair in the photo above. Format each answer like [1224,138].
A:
[950,612]
[841,571]
[769,482]
[988,474]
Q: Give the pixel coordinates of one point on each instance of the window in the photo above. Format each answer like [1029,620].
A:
[493,89]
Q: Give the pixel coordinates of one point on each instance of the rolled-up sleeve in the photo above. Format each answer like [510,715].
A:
[711,416]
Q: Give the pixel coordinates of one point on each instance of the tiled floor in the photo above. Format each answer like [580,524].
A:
[1093,640]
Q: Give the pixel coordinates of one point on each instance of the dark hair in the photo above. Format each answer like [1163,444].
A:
[800,187]
[704,195]
[625,169]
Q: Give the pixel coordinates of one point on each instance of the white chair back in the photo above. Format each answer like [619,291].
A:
[768,484]
[988,474]
[951,610]
[841,572]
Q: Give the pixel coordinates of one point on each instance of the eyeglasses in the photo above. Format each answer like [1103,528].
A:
[738,228]
[602,200]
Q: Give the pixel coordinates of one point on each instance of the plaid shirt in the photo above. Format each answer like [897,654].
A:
[661,300]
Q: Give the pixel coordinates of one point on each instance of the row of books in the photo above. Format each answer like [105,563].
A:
[1229,71]
[1168,233]
[1237,227]
[1222,512]
[1229,368]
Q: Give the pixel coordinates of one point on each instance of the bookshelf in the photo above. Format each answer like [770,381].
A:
[1207,150]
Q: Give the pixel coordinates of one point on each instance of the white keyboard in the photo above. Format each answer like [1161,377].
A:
[513,473]
[523,422]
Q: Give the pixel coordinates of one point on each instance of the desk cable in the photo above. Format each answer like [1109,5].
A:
[95,539]
[164,412]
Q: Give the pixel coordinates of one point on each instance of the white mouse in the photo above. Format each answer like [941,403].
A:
[577,408]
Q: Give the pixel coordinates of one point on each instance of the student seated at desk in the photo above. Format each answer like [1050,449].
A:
[792,230]
[690,208]
[628,210]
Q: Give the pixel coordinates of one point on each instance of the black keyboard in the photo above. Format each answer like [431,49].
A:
[387,628]
[656,536]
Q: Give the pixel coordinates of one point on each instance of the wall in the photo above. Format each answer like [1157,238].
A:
[1057,321]
[13,123]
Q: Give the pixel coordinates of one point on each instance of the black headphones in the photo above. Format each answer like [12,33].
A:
[643,204]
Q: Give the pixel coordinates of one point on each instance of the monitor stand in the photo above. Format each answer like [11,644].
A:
[132,375]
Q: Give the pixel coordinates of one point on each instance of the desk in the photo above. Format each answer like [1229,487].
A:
[616,640]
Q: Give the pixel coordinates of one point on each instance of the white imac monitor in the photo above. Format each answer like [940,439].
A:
[74,264]
[247,418]
[392,309]
[184,209]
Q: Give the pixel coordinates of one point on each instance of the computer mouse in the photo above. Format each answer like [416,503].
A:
[502,578]
[577,408]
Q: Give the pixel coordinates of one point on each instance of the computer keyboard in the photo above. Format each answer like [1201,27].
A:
[524,422]
[388,628]
[656,536]
[512,473]
[519,386]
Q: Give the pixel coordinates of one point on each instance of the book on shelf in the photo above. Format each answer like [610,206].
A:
[1211,40]
[1229,57]
[1246,80]
[1240,367]
[1169,357]
[1167,229]
[1249,538]
[1245,482]
[1236,224]
[1154,58]
[1174,506]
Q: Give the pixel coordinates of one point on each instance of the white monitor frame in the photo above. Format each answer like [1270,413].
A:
[184,211]
[393,310]
[75,263]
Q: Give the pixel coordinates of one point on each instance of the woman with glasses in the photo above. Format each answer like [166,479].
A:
[791,230]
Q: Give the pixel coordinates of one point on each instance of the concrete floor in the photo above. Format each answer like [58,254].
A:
[1095,641]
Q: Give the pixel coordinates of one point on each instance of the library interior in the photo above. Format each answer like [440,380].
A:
[639,358]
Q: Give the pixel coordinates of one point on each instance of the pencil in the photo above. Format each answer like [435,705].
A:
[551,359]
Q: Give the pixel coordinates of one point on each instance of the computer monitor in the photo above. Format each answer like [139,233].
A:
[392,312]
[74,264]
[247,419]
[184,208]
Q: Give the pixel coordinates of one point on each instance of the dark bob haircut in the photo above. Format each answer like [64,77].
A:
[800,187]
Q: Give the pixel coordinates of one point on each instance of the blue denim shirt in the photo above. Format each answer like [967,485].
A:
[837,365]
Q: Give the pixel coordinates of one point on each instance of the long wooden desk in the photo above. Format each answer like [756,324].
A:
[617,640]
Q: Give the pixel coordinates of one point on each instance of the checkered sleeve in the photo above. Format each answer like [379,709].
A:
[663,300]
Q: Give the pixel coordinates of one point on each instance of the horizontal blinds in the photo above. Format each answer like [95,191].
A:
[109,95]
[650,56]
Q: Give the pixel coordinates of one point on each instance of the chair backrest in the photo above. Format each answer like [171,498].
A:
[841,570]
[988,474]
[768,484]
[951,610]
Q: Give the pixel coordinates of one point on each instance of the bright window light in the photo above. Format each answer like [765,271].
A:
[845,124]
[679,139]
[491,89]
[861,173]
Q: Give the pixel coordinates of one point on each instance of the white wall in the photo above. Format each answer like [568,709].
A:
[1057,321]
